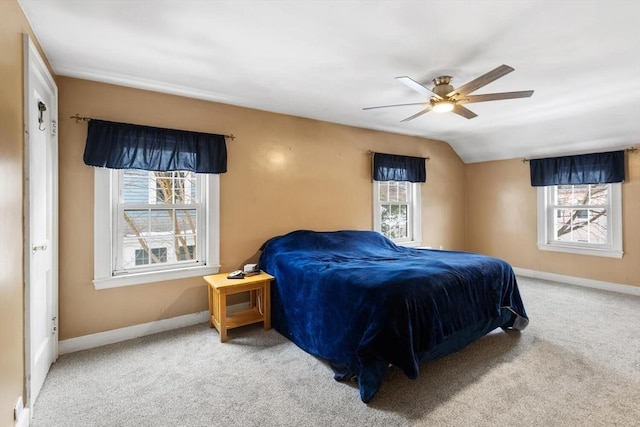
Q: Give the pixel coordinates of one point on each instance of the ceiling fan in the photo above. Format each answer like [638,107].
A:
[444,98]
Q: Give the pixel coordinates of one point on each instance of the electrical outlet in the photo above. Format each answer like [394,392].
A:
[17,410]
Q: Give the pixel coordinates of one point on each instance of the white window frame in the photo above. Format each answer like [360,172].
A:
[414,213]
[613,249]
[106,197]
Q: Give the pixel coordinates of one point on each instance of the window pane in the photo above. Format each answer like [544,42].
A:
[135,186]
[135,230]
[403,229]
[383,191]
[403,188]
[598,194]
[142,257]
[161,222]
[563,194]
[158,255]
[393,191]
[186,253]
[580,195]
[563,225]
[163,187]
[384,220]
[136,222]
[185,187]
[186,220]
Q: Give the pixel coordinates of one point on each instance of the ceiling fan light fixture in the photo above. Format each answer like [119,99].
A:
[443,106]
[445,98]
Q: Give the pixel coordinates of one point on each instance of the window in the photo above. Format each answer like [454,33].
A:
[584,219]
[397,211]
[152,226]
[157,210]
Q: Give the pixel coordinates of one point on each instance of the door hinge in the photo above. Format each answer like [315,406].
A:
[54,325]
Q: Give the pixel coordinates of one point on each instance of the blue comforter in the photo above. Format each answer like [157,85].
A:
[359,301]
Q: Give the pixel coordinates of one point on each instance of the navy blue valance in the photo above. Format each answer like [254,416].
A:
[598,168]
[390,167]
[126,146]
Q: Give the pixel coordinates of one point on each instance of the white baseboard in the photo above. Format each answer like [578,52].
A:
[24,420]
[579,281]
[117,335]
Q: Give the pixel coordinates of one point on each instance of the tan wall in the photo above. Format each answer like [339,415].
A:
[13,25]
[285,173]
[501,221]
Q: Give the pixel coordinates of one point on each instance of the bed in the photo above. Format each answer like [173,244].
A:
[362,303]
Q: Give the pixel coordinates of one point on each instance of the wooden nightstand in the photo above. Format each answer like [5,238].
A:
[259,288]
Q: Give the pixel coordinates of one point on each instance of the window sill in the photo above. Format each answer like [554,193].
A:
[581,251]
[151,277]
[408,244]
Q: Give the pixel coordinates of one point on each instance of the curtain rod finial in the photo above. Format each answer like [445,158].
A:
[78,118]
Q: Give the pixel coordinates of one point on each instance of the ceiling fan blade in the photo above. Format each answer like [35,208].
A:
[483,80]
[395,105]
[412,84]
[495,96]
[418,114]
[464,112]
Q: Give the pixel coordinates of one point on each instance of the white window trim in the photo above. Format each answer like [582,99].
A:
[104,212]
[415,214]
[614,228]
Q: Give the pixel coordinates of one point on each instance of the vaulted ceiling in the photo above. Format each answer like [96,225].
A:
[327,60]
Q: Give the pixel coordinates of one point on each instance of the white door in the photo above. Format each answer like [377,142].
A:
[41,245]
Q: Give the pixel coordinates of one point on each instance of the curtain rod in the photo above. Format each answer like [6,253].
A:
[369,152]
[78,118]
[628,150]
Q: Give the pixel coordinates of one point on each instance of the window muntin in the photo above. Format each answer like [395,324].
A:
[581,219]
[397,211]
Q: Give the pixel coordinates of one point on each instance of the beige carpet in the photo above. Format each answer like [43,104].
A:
[577,364]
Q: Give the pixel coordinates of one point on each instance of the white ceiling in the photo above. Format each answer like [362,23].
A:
[327,60]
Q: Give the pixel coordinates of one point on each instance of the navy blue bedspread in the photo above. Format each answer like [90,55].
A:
[359,301]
